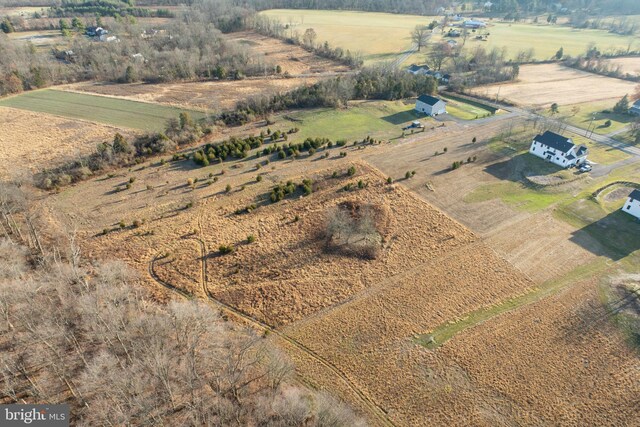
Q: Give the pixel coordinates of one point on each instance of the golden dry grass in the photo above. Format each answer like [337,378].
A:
[542,85]
[32,141]
[361,316]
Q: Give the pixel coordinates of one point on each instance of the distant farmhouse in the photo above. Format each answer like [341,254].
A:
[632,207]
[430,105]
[96,32]
[635,108]
[474,24]
[418,69]
[558,149]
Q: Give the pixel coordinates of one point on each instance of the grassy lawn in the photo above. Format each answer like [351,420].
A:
[117,112]
[545,39]
[378,36]
[599,153]
[466,110]
[586,112]
[379,119]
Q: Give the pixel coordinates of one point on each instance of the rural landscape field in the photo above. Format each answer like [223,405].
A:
[342,213]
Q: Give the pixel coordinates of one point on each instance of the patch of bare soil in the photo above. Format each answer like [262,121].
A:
[617,194]
[32,141]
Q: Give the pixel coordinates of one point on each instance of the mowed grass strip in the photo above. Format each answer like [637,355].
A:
[117,112]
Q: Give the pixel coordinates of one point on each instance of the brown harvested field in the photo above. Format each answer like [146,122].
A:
[207,96]
[32,141]
[542,85]
[293,59]
[630,65]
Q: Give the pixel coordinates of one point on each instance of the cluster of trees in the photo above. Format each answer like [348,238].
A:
[120,153]
[352,229]
[191,48]
[416,7]
[234,147]
[595,61]
[86,333]
[105,8]
[477,66]
[369,83]
[281,191]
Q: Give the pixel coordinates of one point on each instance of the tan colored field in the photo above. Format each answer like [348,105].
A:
[207,96]
[342,318]
[32,141]
[542,85]
[629,65]
[293,59]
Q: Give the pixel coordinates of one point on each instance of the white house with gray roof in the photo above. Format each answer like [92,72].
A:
[558,149]
[632,206]
[430,105]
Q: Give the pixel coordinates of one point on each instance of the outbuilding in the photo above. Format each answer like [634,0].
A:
[632,206]
[430,105]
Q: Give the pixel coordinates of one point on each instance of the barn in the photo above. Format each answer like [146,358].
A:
[632,206]
[430,105]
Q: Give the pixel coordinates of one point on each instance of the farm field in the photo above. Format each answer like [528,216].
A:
[100,109]
[377,36]
[545,40]
[31,141]
[41,38]
[291,58]
[539,86]
[205,96]
[381,37]
[630,65]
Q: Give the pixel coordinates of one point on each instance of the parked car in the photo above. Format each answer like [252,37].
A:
[585,168]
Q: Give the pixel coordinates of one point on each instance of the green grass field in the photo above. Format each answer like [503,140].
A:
[117,112]
[466,110]
[586,112]
[379,119]
[378,36]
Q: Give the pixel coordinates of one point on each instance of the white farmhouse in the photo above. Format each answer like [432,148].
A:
[558,149]
[632,206]
[430,105]
[421,70]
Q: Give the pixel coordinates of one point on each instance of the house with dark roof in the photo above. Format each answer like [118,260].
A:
[635,108]
[430,105]
[418,69]
[632,206]
[558,149]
